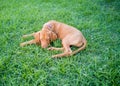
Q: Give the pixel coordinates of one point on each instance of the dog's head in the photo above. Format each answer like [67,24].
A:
[47,35]
[37,37]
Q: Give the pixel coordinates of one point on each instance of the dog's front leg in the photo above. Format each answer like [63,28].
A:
[25,36]
[28,42]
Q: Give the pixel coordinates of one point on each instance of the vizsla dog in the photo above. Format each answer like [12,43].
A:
[67,34]
[53,30]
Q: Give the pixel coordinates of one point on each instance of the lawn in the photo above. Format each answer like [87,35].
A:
[97,65]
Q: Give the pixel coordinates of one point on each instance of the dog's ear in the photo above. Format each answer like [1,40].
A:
[37,37]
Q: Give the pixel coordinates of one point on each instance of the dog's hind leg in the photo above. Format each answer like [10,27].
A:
[54,48]
[67,50]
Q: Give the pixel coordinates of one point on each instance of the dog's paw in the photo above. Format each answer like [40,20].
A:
[51,48]
[22,44]
[24,36]
[54,56]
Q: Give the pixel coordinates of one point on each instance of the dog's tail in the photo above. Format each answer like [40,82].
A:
[81,48]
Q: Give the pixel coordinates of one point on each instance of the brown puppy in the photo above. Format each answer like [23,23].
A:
[36,39]
[68,34]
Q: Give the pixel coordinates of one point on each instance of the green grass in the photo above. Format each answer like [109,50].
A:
[97,65]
